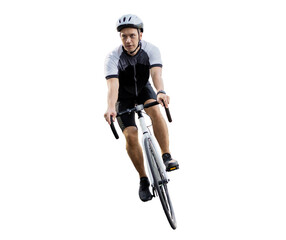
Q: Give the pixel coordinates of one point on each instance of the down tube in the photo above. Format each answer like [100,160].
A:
[146,136]
[158,157]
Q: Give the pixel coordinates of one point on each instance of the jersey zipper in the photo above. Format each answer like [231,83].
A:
[135,79]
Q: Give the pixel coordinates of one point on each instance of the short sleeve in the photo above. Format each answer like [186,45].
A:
[110,67]
[155,57]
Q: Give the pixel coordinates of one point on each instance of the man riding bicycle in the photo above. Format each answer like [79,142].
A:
[127,70]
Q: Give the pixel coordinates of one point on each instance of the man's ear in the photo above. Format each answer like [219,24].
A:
[140,35]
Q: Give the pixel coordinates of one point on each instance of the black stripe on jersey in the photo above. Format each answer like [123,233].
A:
[156,65]
[111,76]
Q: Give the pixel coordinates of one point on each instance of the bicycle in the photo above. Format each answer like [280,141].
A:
[156,168]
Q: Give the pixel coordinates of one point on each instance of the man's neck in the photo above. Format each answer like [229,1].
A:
[136,51]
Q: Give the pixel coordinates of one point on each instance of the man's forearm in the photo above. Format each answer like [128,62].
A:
[156,74]
[158,83]
[112,95]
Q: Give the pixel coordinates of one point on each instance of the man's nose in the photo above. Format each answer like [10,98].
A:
[128,39]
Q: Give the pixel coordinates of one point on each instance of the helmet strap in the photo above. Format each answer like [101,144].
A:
[139,44]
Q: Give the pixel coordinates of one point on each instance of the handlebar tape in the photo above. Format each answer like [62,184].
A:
[168,114]
[113,128]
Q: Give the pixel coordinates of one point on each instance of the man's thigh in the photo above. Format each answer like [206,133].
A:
[126,120]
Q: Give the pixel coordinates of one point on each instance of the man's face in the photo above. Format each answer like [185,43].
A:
[130,38]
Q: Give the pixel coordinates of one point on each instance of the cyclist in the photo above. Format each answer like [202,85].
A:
[127,70]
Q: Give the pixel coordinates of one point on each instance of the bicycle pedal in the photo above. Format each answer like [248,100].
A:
[172,168]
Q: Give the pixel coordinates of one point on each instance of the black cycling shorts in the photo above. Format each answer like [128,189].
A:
[128,120]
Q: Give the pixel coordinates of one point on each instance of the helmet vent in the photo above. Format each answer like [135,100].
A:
[129,19]
[124,19]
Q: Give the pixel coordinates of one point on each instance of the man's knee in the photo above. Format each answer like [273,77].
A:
[154,112]
[131,135]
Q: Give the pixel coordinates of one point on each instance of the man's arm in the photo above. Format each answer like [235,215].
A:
[156,74]
[112,96]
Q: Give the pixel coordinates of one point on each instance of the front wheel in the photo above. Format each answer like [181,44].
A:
[160,182]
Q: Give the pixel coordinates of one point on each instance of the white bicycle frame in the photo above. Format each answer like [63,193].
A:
[153,160]
[158,158]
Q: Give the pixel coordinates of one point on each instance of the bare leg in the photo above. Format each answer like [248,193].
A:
[159,127]
[134,149]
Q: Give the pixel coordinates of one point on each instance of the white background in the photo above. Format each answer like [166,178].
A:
[62,173]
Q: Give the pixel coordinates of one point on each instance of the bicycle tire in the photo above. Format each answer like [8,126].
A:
[160,183]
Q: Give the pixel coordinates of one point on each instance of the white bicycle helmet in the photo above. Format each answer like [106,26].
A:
[129,20]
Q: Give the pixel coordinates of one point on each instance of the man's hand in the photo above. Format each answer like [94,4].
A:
[163,98]
[108,113]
